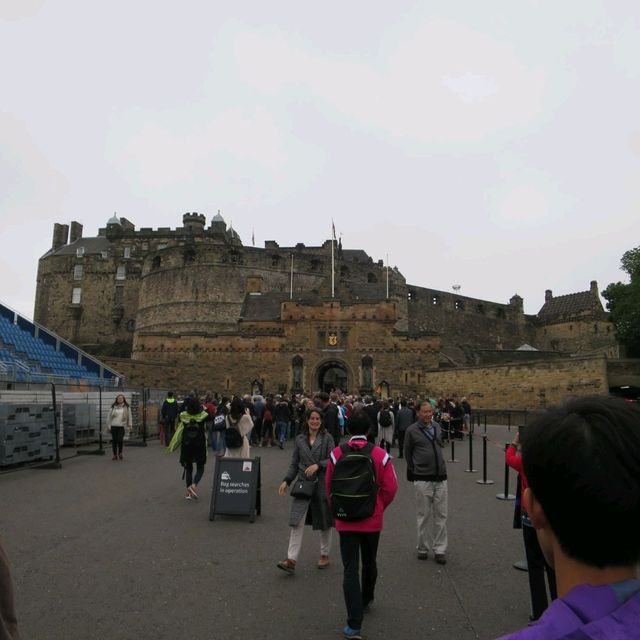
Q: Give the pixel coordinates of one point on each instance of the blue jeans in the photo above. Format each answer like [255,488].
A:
[281,430]
[216,440]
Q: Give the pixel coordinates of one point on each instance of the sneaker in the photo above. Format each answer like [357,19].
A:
[366,608]
[353,634]
[192,491]
[423,555]
[120,456]
[323,563]
[188,496]
[114,458]
[281,445]
[289,566]
[440,558]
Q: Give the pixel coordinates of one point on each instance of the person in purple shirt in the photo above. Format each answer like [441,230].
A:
[582,461]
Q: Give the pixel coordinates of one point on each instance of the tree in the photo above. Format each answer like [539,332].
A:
[623,302]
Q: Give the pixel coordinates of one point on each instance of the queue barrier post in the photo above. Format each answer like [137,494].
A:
[506,495]
[453,451]
[484,463]
[470,469]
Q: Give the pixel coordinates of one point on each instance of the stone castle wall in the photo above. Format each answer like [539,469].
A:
[522,386]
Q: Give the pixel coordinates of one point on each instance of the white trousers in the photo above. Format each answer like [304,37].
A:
[431,512]
[295,540]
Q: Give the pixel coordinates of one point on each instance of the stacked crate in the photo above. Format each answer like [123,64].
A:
[26,433]
[79,422]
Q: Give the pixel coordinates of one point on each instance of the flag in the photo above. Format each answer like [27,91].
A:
[253,238]
[333,229]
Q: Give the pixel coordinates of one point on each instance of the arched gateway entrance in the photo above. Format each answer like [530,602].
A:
[332,375]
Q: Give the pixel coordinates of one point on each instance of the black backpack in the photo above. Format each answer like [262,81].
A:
[353,484]
[192,432]
[232,437]
[385,418]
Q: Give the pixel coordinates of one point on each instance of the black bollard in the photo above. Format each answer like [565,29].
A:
[470,469]
[484,463]
[453,451]
[485,423]
[506,495]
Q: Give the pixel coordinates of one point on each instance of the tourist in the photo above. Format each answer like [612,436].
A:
[311,451]
[267,423]
[169,414]
[536,564]
[118,422]
[330,416]
[359,538]
[282,417]
[8,620]
[386,426]
[405,418]
[240,419]
[191,435]
[582,463]
[427,470]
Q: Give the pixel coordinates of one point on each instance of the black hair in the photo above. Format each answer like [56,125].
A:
[582,462]
[323,396]
[359,423]
[192,405]
[236,410]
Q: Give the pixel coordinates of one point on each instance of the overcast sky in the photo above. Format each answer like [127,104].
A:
[494,144]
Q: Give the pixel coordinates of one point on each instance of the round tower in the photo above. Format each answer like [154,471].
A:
[218,225]
[194,222]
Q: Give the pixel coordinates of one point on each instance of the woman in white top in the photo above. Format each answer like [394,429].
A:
[386,426]
[119,420]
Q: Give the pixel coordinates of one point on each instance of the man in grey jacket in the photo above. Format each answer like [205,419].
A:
[427,470]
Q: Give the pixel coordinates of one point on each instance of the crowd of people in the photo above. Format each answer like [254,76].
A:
[579,490]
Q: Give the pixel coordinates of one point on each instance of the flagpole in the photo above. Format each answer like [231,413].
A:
[387,276]
[333,238]
[291,294]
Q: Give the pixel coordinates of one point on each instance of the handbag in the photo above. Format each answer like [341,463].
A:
[303,488]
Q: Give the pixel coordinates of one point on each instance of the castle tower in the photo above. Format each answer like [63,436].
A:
[194,222]
[114,227]
[218,225]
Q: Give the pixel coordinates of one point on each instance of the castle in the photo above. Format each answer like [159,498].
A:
[194,307]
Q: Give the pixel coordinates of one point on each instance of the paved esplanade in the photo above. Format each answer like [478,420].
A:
[104,549]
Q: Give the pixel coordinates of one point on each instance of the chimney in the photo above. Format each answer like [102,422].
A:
[76,232]
[594,287]
[60,235]
[548,295]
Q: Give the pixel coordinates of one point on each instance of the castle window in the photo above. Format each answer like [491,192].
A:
[131,325]
[118,298]
[275,261]
[500,313]
[233,256]
[458,305]
[77,272]
[316,265]
[371,278]
[104,254]
[145,246]
[411,295]
[480,309]
[190,255]
[161,246]
[127,252]
[595,328]
[121,273]
[570,327]
[344,272]
[76,295]
[155,263]
[435,300]
[79,252]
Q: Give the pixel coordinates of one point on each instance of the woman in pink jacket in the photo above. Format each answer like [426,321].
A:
[361,537]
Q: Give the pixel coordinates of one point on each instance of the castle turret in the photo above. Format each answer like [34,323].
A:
[548,295]
[60,235]
[114,228]
[194,222]
[218,225]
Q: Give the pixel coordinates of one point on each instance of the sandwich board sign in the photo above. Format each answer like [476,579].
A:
[236,488]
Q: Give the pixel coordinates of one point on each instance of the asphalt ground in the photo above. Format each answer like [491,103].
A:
[103,549]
